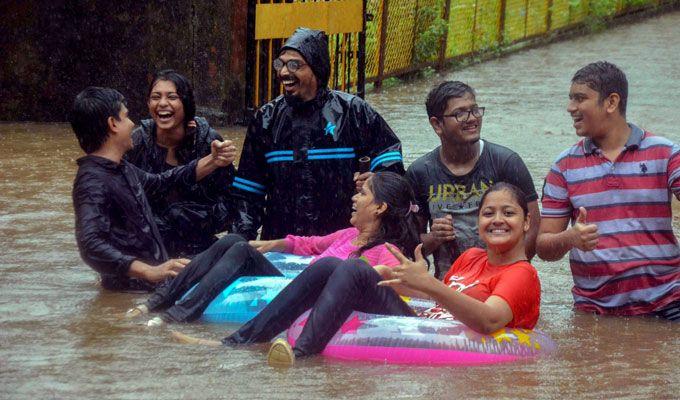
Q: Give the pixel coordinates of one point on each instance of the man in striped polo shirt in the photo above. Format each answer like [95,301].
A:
[615,185]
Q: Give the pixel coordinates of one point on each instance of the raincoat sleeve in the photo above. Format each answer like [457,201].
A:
[157,185]
[249,187]
[380,143]
[219,186]
[92,210]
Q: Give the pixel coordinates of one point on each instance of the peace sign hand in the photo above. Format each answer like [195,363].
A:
[412,274]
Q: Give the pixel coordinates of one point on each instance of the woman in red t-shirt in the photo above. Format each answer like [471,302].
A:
[485,289]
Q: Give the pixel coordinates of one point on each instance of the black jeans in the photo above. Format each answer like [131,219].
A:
[333,288]
[228,259]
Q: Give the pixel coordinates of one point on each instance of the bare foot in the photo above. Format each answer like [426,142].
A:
[186,339]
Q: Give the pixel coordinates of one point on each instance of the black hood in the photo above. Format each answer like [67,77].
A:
[313,45]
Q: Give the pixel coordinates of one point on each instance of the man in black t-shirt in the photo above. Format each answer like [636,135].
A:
[450,180]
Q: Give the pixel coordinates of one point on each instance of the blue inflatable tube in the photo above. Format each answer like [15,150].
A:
[248,295]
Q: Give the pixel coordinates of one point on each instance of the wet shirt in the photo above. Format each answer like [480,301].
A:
[296,170]
[635,268]
[438,192]
[187,217]
[338,244]
[517,284]
[114,222]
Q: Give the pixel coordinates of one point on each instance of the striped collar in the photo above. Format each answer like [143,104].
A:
[633,142]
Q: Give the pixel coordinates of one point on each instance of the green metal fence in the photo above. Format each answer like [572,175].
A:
[408,35]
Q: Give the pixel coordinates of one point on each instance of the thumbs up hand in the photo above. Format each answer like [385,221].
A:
[584,235]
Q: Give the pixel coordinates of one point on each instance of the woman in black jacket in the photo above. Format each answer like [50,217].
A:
[188,218]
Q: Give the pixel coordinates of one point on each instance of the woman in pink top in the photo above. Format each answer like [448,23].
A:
[382,213]
[486,289]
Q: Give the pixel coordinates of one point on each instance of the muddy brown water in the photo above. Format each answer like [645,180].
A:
[60,337]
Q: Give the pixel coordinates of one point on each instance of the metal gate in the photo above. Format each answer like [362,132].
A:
[271,22]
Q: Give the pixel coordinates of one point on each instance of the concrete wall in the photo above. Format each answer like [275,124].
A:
[50,50]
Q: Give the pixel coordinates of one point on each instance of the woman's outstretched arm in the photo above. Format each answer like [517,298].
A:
[484,317]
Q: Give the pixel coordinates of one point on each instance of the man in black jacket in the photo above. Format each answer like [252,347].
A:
[115,228]
[301,152]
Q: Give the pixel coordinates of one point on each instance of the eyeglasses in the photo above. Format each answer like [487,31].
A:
[292,65]
[463,115]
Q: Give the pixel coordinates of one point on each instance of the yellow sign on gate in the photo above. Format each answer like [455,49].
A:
[279,20]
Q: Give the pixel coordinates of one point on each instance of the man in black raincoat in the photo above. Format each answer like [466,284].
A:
[296,173]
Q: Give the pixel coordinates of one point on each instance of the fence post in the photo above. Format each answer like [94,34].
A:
[526,17]
[250,105]
[361,57]
[501,24]
[474,27]
[381,42]
[445,39]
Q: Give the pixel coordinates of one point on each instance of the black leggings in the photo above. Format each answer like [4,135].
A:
[226,260]
[333,288]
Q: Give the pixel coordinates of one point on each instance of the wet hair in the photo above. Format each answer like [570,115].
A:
[517,194]
[605,78]
[184,90]
[90,114]
[397,224]
[439,96]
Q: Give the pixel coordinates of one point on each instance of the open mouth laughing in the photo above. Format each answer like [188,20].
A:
[165,115]
[289,83]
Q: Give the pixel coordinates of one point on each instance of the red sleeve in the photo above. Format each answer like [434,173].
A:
[520,288]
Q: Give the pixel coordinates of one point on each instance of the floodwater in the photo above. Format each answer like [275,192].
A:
[59,332]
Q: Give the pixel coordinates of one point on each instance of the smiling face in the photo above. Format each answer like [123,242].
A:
[502,222]
[165,107]
[302,83]
[587,111]
[365,212]
[450,130]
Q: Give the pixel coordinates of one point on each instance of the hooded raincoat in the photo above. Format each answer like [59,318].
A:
[296,170]
[187,217]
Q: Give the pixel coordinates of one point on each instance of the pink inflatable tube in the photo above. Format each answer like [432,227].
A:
[413,340]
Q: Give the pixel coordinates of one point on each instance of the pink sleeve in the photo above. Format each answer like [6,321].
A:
[386,258]
[312,245]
